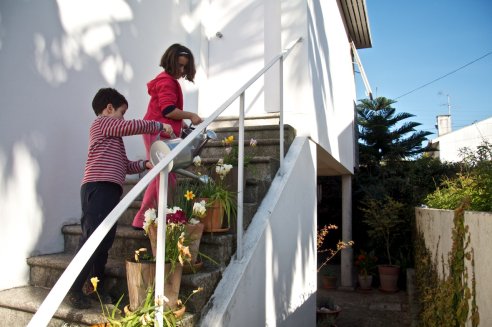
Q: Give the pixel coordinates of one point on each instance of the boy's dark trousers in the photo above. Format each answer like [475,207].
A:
[98,199]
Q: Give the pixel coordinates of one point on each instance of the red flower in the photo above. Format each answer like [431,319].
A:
[177,217]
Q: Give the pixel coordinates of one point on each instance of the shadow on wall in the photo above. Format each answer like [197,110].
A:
[22,214]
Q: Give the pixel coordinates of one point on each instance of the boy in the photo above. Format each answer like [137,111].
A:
[104,175]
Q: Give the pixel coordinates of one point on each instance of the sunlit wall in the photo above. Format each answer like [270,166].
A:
[54,56]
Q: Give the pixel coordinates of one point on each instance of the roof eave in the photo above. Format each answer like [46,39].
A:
[357,22]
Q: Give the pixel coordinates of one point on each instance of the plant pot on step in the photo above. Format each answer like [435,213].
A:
[388,278]
[141,275]
[214,218]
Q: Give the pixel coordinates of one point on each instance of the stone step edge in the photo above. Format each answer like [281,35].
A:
[15,299]
[114,268]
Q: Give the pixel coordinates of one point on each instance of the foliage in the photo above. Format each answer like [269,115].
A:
[144,315]
[330,253]
[383,217]
[446,302]
[232,151]
[473,183]
[216,190]
[177,249]
[185,198]
[380,139]
[365,263]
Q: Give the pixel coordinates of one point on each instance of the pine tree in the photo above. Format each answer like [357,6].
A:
[382,134]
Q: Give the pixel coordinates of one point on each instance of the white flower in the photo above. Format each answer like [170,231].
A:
[150,217]
[193,221]
[197,161]
[199,209]
[252,142]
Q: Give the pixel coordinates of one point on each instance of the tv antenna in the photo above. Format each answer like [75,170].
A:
[448,101]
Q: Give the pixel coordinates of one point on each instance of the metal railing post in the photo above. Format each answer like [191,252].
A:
[161,247]
[281,105]
[240,180]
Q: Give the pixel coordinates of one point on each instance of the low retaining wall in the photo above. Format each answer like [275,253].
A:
[436,226]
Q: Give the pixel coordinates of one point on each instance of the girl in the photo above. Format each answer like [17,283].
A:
[166,106]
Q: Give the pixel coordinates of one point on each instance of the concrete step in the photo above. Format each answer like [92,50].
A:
[263,132]
[128,240]
[257,120]
[47,269]
[18,305]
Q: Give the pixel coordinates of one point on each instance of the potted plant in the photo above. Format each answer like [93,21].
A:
[365,263]
[383,218]
[221,202]
[144,315]
[194,210]
[328,277]
[326,310]
[231,158]
[177,254]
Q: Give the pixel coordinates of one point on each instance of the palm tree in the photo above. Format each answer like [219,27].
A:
[382,134]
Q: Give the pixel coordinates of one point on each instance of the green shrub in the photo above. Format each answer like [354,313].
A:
[473,184]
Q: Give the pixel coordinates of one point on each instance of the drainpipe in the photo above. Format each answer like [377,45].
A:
[347,255]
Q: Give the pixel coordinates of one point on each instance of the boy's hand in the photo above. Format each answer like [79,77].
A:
[167,128]
[148,164]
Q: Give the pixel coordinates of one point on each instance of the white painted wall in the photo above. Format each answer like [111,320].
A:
[436,227]
[54,56]
[275,282]
[470,136]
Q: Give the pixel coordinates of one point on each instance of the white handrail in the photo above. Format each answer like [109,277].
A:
[54,298]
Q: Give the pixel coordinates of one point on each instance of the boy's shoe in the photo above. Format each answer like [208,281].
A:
[78,300]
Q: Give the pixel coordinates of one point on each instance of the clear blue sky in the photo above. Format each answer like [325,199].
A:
[416,42]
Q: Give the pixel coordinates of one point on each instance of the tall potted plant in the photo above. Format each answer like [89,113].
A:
[383,218]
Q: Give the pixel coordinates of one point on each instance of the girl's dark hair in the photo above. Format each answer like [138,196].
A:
[169,61]
[106,96]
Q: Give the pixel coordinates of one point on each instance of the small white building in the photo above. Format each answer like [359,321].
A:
[448,144]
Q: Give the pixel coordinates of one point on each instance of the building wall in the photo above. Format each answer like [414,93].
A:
[54,56]
[436,227]
[449,145]
[274,284]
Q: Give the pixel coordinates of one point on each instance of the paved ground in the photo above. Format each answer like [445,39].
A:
[369,308]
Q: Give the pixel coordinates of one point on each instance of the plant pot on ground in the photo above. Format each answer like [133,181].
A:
[328,277]
[384,218]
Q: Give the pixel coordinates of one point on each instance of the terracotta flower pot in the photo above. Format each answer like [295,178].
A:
[329,282]
[388,277]
[141,275]
[214,218]
[195,234]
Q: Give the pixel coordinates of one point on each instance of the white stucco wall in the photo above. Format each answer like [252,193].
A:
[470,136]
[436,227]
[275,282]
[54,56]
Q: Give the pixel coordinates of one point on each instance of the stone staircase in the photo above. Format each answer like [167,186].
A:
[20,303]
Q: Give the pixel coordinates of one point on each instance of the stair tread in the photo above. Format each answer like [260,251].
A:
[114,267]
[29,298]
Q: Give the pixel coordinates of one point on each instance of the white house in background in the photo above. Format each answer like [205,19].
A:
[55,54]
[447,145]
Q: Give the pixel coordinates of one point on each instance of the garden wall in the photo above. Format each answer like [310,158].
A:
[436,226]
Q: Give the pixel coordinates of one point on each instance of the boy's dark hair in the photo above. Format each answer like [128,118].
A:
[169,61]
[106,96]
